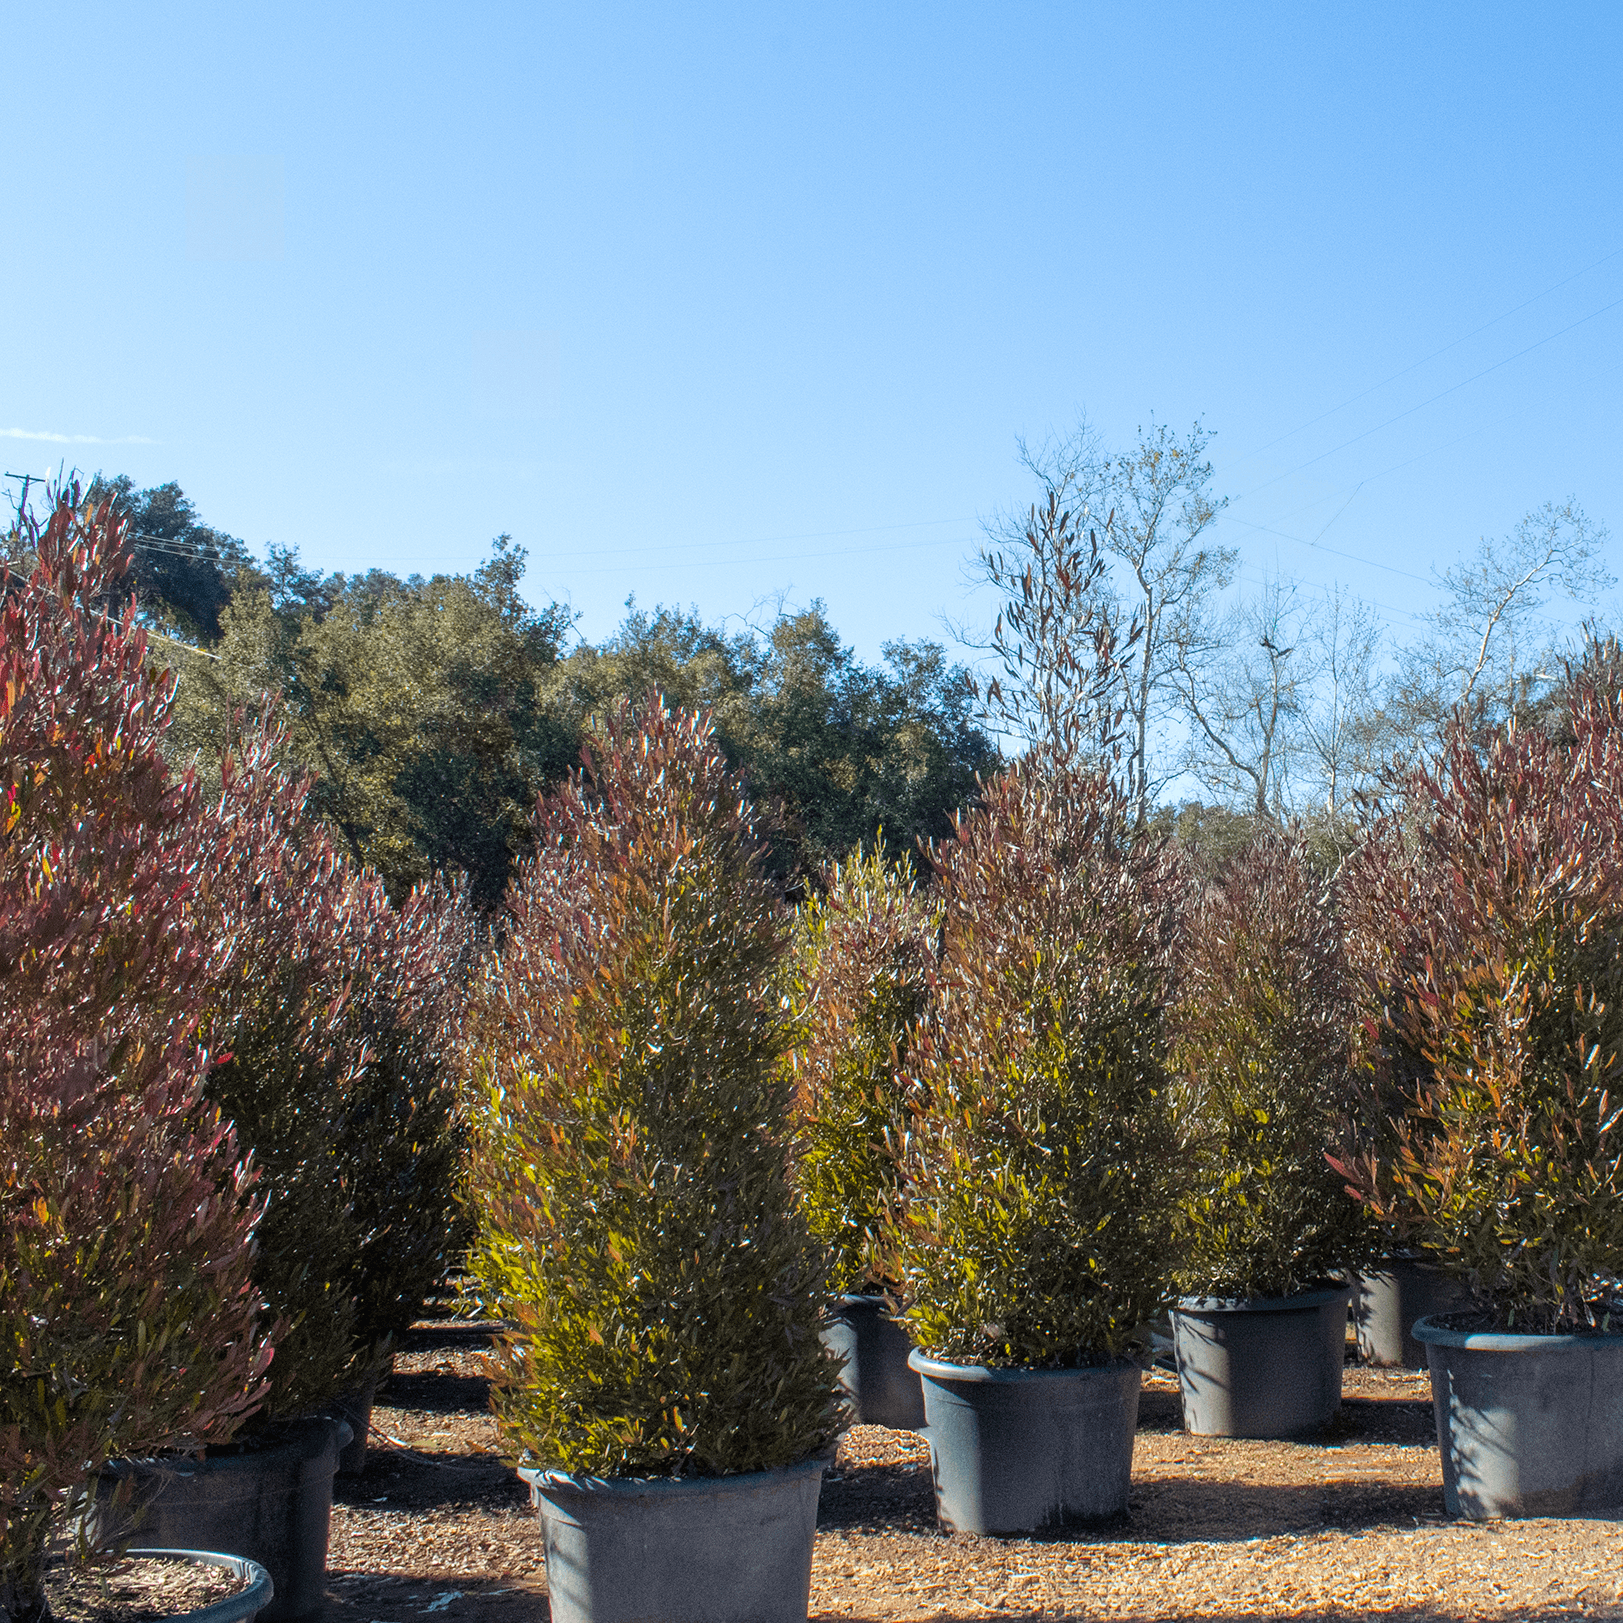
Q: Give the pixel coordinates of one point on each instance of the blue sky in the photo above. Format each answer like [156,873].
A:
[707,303]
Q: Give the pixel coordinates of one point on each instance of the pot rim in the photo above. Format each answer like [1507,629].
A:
[545,1480]
[1320,1296]
[251,1601]
[939,1369]
[314,1436]
[847,1300]
[1429,1331]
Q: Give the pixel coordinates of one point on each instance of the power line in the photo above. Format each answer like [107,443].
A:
[788,557]
[1432,400]
[1415,366]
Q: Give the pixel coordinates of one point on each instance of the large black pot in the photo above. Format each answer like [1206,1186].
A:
[1527,1425]
[728,1549]
[272,1505]
[1390,1298]
[1014,1450]
[1261,1366]
[880,1386]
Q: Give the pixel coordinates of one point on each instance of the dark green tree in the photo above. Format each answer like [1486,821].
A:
[184,571]
[418,706]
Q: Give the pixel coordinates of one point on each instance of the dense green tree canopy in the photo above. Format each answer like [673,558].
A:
[432,712]
[419,706]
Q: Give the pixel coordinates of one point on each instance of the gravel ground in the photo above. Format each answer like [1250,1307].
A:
[1348,1526]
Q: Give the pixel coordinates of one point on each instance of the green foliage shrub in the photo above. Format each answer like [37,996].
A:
[863,955]
[1494,941]
[631,1166]
[1042,1171]
[1262,1043]
[127,1319]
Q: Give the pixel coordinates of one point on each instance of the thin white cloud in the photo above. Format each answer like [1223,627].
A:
[71,439]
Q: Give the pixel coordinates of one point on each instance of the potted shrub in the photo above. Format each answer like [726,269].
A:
[400,1133]
[1262,1044]
[863,952]
[127,1315]
[321,1002]
[664,1388]
[1506,1162]
[1391,896]
[1040,1161]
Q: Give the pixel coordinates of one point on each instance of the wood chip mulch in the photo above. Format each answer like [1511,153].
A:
[1350,1525]
[135,1590]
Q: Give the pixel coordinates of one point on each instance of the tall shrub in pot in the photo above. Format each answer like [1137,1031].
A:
[664,1386]
[1264,1048]
[332,1005]
[312,980]
[1042,1176]
[1503,1030]
[863,952]
[127,1317]
[1397,906]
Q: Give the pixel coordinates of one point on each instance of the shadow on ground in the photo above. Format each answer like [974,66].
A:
[404,1479]
[1400,1420]
[436,1391]
[360,1597]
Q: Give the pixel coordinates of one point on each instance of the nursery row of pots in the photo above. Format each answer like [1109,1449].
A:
[1527,1425]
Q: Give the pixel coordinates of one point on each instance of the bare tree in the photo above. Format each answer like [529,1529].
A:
[1058,637]
[1163,507]
[1152,505]
[1241,688]
[1488,639]
[1340,717]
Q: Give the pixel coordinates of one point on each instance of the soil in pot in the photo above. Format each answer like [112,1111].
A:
[268,1499]
[1016,1450]
[879,1384]
[159,1586]
[1390,1298]
[1266,1367]
[731,1549]
[1527,1425]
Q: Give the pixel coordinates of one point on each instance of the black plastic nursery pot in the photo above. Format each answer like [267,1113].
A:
[1390,1298]
[730,1549]
[1261,1366]
[1527,1425]
[272,1505]
[354,1408]
[242,1607]
[879,1384]
[1015,1450]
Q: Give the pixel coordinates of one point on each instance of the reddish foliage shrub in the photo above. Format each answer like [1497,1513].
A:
[631,1168]
[1042,1171]
[1494,941]
[1263,1043]
[328,1003]
[127,1319]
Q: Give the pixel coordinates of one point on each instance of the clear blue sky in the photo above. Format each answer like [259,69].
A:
[705,302]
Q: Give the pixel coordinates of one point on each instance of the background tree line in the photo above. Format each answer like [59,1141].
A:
[432,711]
